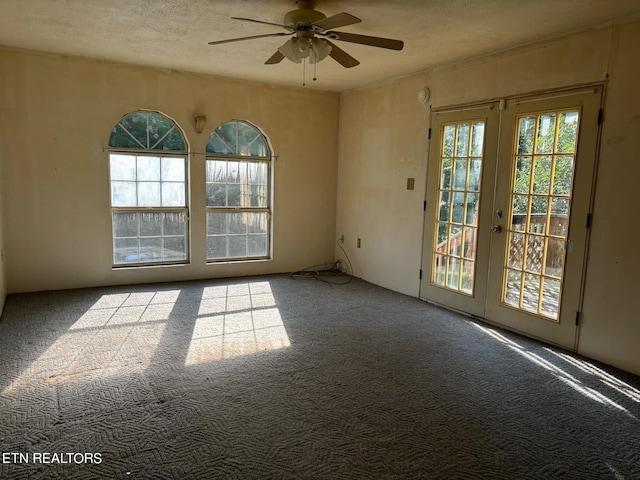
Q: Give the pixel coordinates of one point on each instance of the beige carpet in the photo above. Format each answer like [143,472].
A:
[276,378]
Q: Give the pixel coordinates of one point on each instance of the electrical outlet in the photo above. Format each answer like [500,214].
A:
[358,243]
[411,183]
[341,238]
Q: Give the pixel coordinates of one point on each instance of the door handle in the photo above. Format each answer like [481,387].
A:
[496,229]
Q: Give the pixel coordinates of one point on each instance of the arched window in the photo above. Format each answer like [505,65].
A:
[238,176]
[148,172]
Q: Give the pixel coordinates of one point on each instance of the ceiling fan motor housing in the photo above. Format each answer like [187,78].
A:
[303,15]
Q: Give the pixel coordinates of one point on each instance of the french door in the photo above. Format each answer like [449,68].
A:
[506,220]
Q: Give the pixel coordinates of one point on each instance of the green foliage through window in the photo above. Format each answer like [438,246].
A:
[239,139]
[147,131]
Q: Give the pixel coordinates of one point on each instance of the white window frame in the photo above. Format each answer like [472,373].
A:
[157,209]
[267,210]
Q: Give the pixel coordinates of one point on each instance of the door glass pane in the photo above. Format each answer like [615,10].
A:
[455,227]
[543,165]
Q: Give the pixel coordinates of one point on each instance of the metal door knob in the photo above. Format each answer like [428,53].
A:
[496,229]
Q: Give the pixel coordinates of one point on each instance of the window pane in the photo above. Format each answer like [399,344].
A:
[227,234]
[148,168]
[174,224]
[233,196]
[445,175]
[216,171]
[563,175]
[151,224]
[475,169]
[237,246]
[136,125]
[477,141]
[257,245]
[149,194]
[512,290]
[567,132]
[516,250]
[551,297]
[123,194]
[525,135]
[460,181]
[225,138]
[150,249]
[257,173]
[555,257]
[539,206]
[217,223]
[532,289]
[233,172]
[215,144]
[458,207]
[542,174]
[173,141]
[175,248]
[535,253]
[259,196]
[217,246]
[216,195]
[173,194]
[472,209]
[120,138]
[157,128]
[147,130]
[468,273]
[246,136]
[462,145]
[125,224]
[236,223]
[445,206]
[125,250]
[520,204]
[449,139]
[546,133]
[257,222]
[523,175]
[172,169]
[123,167]
[258,148]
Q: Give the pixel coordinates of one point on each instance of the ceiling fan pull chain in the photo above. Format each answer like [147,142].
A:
[315,62]
[304,63]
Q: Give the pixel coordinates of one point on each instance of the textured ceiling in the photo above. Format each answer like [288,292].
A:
[173,34]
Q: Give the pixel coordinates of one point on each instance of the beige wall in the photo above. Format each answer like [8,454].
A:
[3,120]
[61,111]
[383,141]
[611,326]
[3,281]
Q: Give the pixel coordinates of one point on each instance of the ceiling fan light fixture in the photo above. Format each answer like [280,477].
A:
[297,49]
[321,50]
[292,51]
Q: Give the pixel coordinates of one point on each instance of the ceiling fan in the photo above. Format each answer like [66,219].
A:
[312,34]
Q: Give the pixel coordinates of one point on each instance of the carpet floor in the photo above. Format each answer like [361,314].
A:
[278,378]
